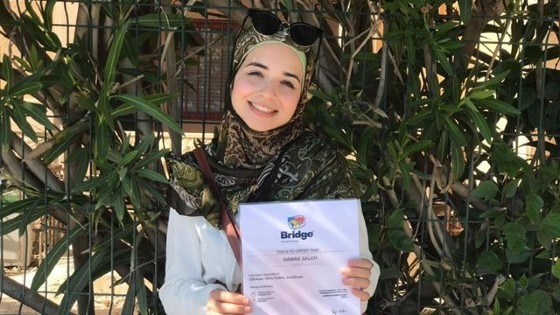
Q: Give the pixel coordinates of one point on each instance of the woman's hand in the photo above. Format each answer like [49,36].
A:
[356,275]
[225,302]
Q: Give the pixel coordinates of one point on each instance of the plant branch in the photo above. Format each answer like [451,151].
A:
[41,171]
[28,297]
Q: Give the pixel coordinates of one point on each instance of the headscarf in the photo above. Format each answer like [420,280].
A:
[285,163]
[238,145]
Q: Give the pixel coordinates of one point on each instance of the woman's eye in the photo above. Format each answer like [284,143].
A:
[255,73]
[289,84]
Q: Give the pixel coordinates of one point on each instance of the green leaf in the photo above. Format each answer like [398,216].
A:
[48,13]
[90,184]
[35,111]
[480,122]
[20,222]
[160,98]
[24,88]
[490,213]
[129,301]
[151,157]
[418,146]
[102,139]
[111,64]
[395,219]
[510,188]
[53,256]
[400,240]
[366,142]
[96,266]
[127,185]
[122,173]
[141,294]
[533,206]
[419,118]
[61,145]
[80,160]
[129,157]
[114,157]
[120,208]
[481,94]
[551,224]
[405,170]
[124,109]
[457,160]
[102,107]
[151,175]
[21,121]
[154,111]
[517,250]
[443,145]
[489,263]
[439,53]
[17,207]
[556,269]
[454,132]
[508,289]
[7,73]
[496,309]
[465,10]
[527,305]
[495,81]
[546,240]
[536,302]
[498,106]
[161,20]
[505,160]
[5,131]
[486,190]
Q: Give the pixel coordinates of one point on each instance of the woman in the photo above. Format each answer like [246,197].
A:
[261,153]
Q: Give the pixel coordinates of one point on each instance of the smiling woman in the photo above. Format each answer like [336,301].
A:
[262,152]
[266,92]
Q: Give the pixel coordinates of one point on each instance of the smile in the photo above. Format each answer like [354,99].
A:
[262,109]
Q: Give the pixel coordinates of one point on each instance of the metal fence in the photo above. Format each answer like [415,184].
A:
[462,205]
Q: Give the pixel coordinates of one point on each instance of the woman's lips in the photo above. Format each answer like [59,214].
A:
[263,110]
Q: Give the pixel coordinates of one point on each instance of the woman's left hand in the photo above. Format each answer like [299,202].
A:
[357,276]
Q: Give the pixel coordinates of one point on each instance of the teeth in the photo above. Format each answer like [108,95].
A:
[262,108]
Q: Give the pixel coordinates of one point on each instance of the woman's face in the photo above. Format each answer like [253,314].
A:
[267,87]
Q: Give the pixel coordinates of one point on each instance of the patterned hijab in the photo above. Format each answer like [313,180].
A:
[248,165]
[238,145]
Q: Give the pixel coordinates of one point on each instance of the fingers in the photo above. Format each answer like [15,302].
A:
[360,263]
[225,302]
[357,275]
[358,268]
[362,295]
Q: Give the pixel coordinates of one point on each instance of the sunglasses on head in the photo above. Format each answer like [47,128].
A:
[300,33]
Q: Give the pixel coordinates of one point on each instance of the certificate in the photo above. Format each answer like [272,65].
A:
[292,256]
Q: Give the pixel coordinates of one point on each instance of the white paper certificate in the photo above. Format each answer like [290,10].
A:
[292,256]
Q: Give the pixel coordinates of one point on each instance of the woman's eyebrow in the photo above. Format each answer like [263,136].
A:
[289,74]
[257,64]
[262,66]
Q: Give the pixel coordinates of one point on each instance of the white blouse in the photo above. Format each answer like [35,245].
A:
[198,255]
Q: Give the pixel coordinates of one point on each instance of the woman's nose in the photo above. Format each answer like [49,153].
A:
[267,88]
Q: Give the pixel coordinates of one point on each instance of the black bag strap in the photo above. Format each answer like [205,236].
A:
[227,219]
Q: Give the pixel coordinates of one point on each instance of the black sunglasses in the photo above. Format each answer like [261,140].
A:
[266,23]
